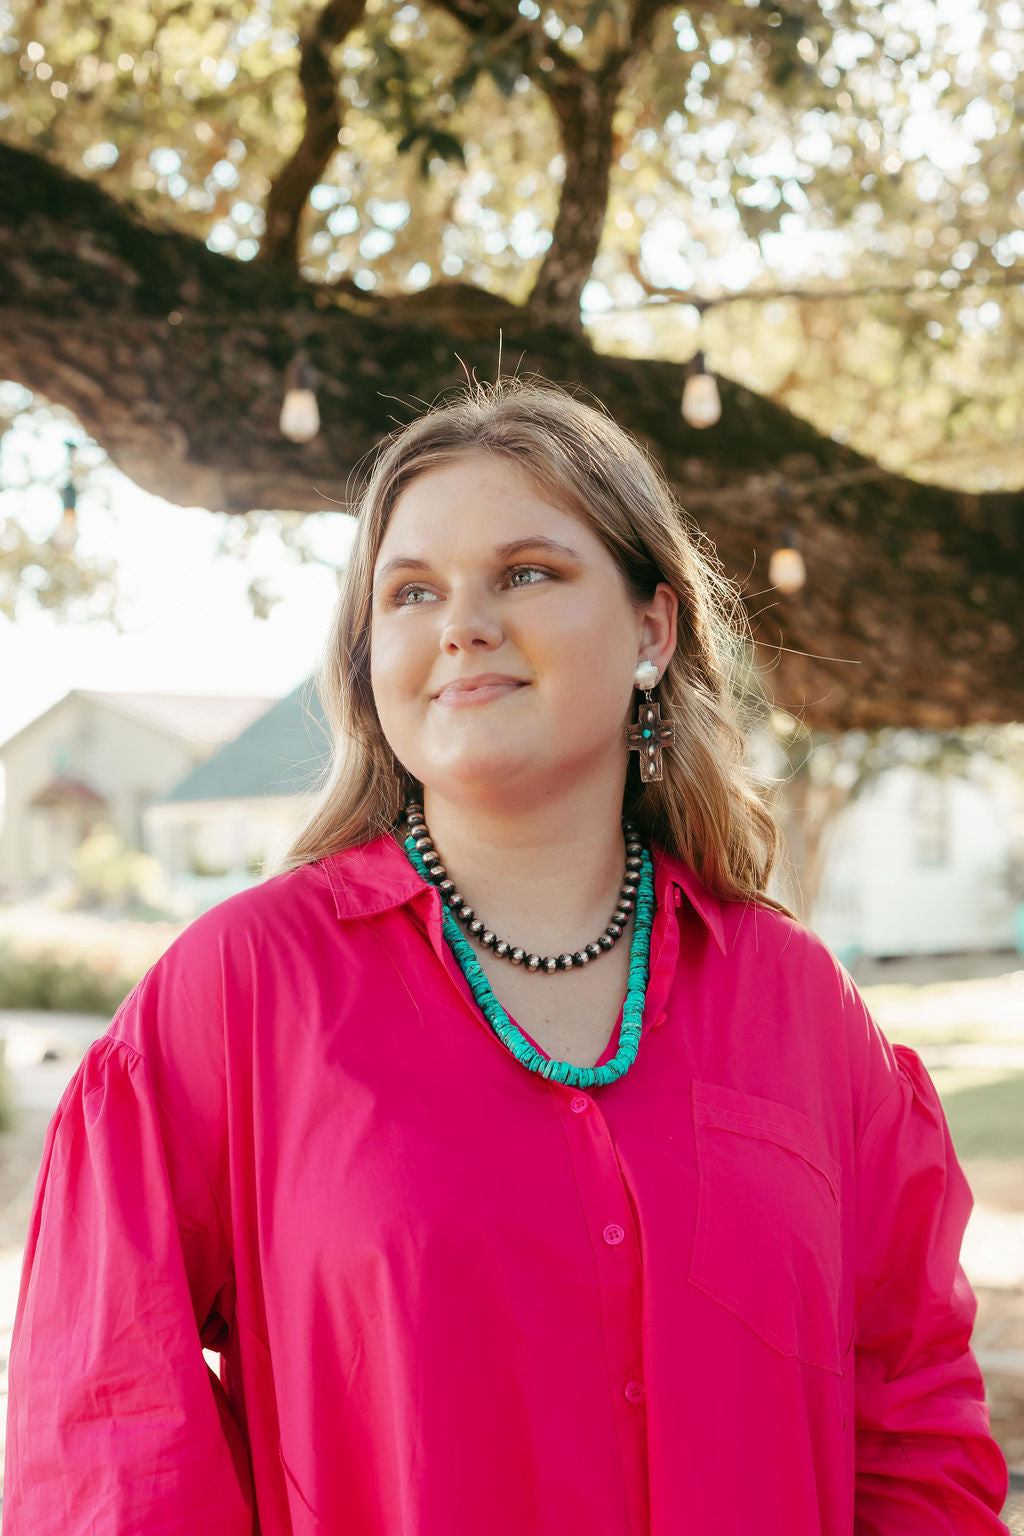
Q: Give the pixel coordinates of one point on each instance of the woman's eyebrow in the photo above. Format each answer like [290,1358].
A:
[400,563]
[536,541]
[502,552]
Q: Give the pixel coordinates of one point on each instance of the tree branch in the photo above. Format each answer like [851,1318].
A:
[642,18]
[665,297]
[292,185]
[911,614]
[584,103]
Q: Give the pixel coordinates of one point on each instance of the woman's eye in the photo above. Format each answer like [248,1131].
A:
[412,596]
[526,576]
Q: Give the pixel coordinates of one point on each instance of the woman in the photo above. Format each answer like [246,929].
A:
[674,1251]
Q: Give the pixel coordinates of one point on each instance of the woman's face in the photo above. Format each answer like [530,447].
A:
[503,641]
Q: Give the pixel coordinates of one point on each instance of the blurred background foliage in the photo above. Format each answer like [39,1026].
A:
[760,148]
[825,195]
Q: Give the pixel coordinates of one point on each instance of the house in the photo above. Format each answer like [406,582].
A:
[100,757]
[925,864]
[215,830]
[920,863]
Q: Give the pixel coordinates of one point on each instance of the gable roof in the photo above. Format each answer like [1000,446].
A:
[280,753]
[203,720]
[196,717]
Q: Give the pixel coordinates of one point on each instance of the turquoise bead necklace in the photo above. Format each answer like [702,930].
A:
[512,1037]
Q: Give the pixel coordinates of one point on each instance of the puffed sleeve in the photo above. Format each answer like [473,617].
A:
[116,1424]
[925,1458]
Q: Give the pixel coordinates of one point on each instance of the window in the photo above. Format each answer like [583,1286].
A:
[930,813]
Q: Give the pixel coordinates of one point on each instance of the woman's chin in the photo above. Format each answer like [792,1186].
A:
[484,773]
[518,769]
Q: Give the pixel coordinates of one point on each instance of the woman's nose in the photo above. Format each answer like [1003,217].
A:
[471,623]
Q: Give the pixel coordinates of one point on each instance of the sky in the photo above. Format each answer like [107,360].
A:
[187,624]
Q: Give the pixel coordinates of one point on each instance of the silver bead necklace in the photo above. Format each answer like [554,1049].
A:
[504,948]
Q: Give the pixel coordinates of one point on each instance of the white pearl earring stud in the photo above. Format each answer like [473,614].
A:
[646,675]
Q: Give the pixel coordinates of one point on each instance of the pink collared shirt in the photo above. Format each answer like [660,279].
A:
[451,1298]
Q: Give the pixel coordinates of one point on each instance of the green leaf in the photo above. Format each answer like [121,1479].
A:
[445,145]
[413,136]
[504,72]
[462,86]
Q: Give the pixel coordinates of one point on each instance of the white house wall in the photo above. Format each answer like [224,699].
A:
[222,837]
[124,760]
[880,895]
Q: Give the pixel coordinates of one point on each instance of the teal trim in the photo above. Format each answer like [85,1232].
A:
[513,1038]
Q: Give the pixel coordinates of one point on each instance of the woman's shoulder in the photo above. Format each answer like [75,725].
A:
[747,928]
[244,927]
[219,957]
[776,969]
[224,976]
[284,918]
[258,911]
[791,1001]
[282,907]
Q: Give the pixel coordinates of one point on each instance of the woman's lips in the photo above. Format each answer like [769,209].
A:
[483,690]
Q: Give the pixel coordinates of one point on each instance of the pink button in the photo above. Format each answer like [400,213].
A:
[578,1103]
[635,1391]
[613,1234]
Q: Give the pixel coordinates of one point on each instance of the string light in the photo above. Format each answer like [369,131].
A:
[65,534]
[786,568]
[300,414]
[702,404]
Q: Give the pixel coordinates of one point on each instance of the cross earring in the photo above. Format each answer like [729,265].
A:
[649,733]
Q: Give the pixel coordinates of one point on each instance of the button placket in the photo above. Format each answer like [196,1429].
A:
[602,1188]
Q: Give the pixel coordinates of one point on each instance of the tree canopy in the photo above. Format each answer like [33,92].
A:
[825,196]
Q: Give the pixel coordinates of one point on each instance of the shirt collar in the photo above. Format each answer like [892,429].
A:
[371,878]
[377,876]
[669,870]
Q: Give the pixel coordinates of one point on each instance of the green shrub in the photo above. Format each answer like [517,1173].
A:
[8,1114]
[111,876]
[43,980]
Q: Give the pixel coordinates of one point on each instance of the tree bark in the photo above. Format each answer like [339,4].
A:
[584,108]
[173,359]
[584,103]
[289,192]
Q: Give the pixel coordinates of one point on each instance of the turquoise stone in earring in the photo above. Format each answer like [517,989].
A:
[649,733]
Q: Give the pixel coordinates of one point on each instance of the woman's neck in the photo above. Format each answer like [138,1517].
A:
[545,878]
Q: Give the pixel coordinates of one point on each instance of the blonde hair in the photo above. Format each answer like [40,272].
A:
[709,808]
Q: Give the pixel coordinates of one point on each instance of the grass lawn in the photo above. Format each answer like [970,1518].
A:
[985,1110]
[984,1104]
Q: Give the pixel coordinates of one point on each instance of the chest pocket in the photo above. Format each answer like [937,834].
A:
[768,1237]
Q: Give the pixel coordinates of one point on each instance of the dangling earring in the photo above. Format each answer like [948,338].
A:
[649,733]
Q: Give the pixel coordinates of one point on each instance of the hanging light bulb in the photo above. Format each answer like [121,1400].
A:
[702,404]
[66,532]
[300,414]
[786,568]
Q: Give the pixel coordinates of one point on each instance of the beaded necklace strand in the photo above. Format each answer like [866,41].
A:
[505,949]
[513,1038]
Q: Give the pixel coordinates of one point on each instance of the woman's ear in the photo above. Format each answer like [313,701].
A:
[659,626]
